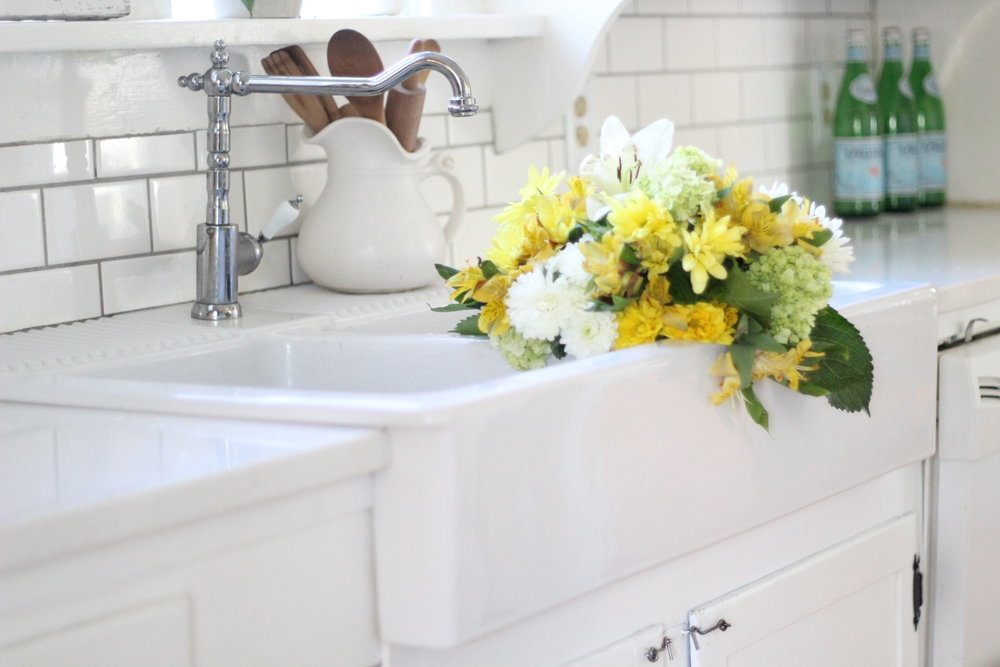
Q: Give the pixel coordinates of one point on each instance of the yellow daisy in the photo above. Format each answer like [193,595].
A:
[708,245]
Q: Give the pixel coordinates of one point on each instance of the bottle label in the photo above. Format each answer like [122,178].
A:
[932,165]
[857,166]
[921,51]
[862,89]
[930,85]
[901,160]
[905,88]
[893,52]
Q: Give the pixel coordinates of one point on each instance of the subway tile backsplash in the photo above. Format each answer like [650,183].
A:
[98,223]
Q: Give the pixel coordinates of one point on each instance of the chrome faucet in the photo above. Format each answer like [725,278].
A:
[223,251]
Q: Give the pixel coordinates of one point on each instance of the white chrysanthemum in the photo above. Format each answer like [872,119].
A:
[590,333]
[568,263]
[539,306]
[836,253]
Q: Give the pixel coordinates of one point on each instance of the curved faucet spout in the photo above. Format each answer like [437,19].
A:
[462,101]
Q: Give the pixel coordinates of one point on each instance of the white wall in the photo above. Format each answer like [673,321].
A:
[100,156]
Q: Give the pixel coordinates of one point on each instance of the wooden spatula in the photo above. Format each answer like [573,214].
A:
[405,102]
[306,67]
[349,53]
[310,111]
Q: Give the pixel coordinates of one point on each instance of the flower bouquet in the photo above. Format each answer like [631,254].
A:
[647,245]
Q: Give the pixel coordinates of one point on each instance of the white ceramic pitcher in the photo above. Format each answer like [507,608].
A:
[371,230]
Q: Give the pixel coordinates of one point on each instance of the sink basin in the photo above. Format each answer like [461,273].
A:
[510,493]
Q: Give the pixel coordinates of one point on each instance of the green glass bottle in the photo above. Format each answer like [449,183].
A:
[858,186]
[897,120]
[930,122]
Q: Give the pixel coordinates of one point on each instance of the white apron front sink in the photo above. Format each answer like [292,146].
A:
[509,493]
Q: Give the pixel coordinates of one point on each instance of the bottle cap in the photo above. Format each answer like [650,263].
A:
[892,34]
[922,35]
[856,37]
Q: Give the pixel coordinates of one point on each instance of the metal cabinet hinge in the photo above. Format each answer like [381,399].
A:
[918,591]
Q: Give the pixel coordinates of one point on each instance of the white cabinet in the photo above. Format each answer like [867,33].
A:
[849,605]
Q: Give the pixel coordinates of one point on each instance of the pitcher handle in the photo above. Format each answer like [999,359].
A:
[444,165]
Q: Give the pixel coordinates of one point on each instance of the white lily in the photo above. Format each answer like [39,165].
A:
[623,158]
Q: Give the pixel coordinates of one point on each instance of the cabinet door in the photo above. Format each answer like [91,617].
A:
[848,605]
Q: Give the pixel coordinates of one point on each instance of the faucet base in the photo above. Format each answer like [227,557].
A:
[215,311]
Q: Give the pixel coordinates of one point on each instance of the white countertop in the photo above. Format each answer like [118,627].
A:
[955,249]
[64,471]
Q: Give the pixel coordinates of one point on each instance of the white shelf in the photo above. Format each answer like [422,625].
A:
[43,36]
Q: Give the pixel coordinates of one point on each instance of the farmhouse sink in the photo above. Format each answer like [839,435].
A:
[508,493]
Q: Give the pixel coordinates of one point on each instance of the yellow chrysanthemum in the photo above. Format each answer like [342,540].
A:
[647,225]
[708,245]
[465,282]
[540,182]
[658,288]
[556,218]
[639,322]
[704,322]
[517,241]
[785,366]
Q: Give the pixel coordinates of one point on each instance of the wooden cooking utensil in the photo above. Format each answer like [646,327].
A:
[405,102]
[307,68]
[349,53]
[311,112]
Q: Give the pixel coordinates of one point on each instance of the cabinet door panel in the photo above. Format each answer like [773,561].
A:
[848,605]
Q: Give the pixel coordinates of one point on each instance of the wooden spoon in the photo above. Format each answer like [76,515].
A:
[405,102]
[349,53]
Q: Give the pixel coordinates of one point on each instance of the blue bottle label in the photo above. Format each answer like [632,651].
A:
[901,160]
[933,165]
[857,166]
[862,89]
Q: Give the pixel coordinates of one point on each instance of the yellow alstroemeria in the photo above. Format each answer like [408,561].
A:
[493,293]
[708,245]
[647,225]
[703,322]
[602,259]
[725,368]
[785,366]
[465,282]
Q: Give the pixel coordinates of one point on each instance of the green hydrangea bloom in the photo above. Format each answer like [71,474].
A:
[696,160]
[803,285]
[678,183]
[520,352]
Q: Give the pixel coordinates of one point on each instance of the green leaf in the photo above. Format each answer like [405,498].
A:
[723,193]
[489,269]
[617,303]
[576,233]
[249,5]
[469,327]
[763,341]
[680,285]
[821,237]
[452,307]
[778,202]
[629,256]
[754,407]
[743,360]
[846,371]
[739,292]
[558,349]
[445,272]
